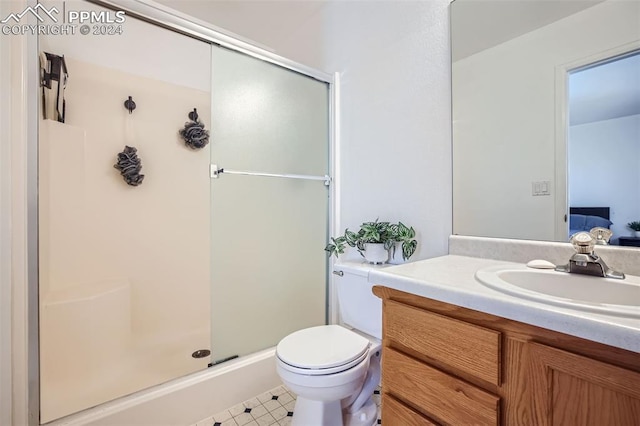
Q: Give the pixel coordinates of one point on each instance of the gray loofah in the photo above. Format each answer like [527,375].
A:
[194,134]
[129,165]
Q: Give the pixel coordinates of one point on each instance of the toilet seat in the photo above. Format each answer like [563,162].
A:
[323,350]
[323,371]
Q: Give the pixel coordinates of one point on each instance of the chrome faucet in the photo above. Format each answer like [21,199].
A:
[585,260]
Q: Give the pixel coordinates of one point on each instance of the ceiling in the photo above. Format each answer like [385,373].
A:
[481,24]
[268,23]
[606,91]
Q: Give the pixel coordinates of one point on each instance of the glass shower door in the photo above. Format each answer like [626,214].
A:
[268,266]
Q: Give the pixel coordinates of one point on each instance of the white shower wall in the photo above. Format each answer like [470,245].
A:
[124,271]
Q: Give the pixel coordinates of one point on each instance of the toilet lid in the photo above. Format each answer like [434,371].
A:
[321,347]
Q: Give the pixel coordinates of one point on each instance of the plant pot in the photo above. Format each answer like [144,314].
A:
[375,253]
[637,233]
[395,256]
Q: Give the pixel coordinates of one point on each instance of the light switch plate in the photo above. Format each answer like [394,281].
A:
[542,187]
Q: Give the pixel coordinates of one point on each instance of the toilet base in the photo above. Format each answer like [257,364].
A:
[323,413]
[366,416]
[308,412]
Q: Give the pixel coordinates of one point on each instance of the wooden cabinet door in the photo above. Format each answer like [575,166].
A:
[568,389]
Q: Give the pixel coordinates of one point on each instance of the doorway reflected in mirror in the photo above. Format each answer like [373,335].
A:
[604,145]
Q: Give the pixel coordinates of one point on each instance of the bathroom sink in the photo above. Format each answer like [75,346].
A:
[583,292]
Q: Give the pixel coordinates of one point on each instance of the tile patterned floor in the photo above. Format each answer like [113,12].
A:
[273,408]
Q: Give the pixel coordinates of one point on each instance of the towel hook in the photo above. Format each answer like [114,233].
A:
[130,105]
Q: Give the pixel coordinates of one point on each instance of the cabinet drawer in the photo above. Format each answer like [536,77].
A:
[395,413]
[443,397]
[467,347]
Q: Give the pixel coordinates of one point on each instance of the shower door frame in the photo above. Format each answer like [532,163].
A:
[26,393]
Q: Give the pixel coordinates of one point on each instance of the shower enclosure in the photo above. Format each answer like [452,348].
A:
[217,253]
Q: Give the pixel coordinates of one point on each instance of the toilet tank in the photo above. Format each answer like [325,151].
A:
[359,308]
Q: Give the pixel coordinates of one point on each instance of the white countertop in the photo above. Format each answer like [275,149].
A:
[451,279]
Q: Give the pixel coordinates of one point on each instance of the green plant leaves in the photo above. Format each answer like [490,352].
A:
[376,232]
[331,249]
[350,237]
[405,233]
[336,247]
[408,248]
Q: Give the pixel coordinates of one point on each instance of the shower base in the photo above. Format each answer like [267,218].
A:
[186,400]
[145,364]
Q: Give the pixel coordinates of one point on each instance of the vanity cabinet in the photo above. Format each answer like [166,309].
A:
[443,364]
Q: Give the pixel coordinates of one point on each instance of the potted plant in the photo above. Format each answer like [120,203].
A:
[635,226]
[374,240]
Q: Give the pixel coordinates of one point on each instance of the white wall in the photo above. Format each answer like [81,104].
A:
[504,120]
[604,164]
[395,156]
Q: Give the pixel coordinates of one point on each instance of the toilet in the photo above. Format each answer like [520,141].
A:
[334,369]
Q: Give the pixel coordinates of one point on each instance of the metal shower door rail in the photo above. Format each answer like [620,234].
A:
[216,172]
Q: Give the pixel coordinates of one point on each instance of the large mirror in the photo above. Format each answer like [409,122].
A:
[546,118]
